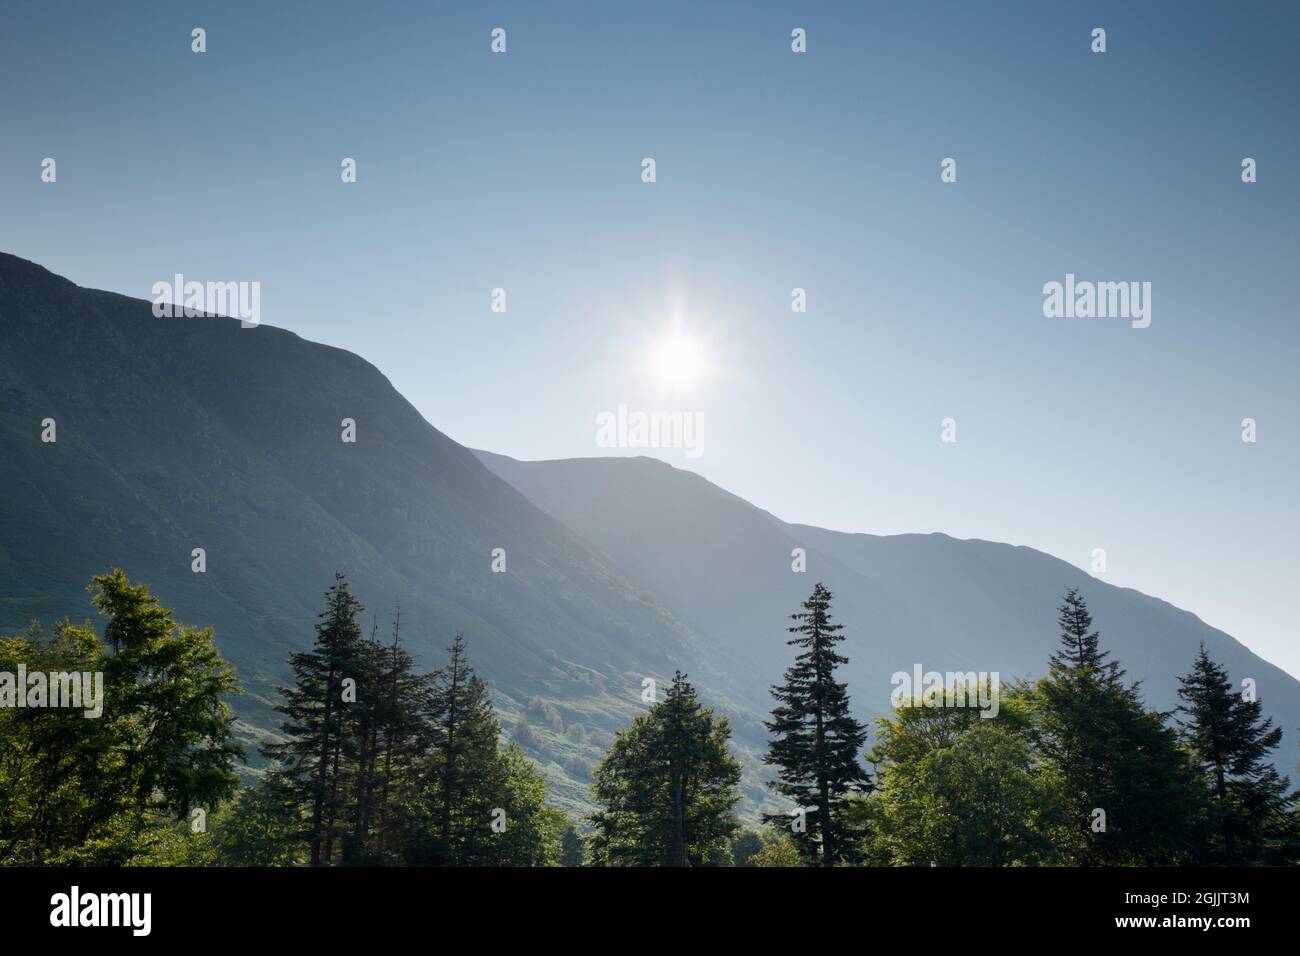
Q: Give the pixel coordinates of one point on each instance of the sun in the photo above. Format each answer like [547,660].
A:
[677,361]
[676,353]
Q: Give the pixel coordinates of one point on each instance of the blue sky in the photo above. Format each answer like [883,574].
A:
[774,171]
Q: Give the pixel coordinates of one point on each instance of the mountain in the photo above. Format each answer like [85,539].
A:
[174,434]
[723,567]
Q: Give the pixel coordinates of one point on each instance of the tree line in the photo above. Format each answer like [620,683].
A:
[1074,770]
[376,763]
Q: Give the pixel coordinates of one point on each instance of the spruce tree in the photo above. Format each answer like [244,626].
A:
[1251,806]
[1080,653]
[317,726]
[687,747]
[1113,756]
[462,776]
[816,743]
[667,787]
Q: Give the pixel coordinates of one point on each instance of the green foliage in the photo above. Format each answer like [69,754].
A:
[110,789]
[319,729]
[1113,756]
[1252,815]
[461,778]
[778,849]
[381,765]
[572,847]
[534,832]
[258,828]
[666,789]
[744,845]
[958,789]
[1024,788]
[816,743]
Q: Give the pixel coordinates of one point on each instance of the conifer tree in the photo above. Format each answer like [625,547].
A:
[667,787]
[1251,816]
[816,743]
[571,847]
[462,775]
[367,713]
[701,775]
[1080,654]
[318,726]
[1128,793]
[403,734]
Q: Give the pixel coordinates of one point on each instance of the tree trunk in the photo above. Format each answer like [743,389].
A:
[679,824]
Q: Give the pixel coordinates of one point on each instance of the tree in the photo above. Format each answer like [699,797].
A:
[533,832]
[114,789]
[319,746]
[390,729]
[403,735]
[572,849]
[1130,796]
[1251,814]
[461,777]
[778,849]
[380,764]
[816,742]
[259,828]
[667,787]
[958,789]
[744,845]
[1080,653]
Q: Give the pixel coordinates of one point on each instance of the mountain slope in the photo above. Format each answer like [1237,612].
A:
[723,566]
[175,434]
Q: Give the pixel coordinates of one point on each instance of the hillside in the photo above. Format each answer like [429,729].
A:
[723,566]
[175,434]
[179,433]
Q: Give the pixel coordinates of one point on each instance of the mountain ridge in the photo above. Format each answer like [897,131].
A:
[182,433]
[1154,639]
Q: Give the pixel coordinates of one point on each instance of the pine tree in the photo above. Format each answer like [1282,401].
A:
[667,787]
[318,727]
[1251,808]
[816,743]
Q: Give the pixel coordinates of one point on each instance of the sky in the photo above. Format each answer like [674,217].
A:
[774,170]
